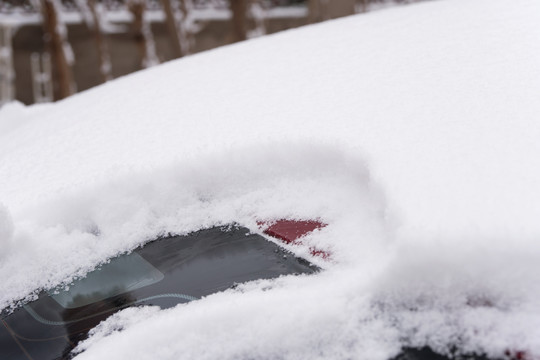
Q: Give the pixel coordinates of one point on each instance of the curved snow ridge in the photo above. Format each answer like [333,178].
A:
[6,230]
[241,185]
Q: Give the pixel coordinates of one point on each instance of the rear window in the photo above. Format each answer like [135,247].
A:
[123,274]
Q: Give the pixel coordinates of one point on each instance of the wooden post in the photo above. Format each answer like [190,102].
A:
[315,11]
[105,67]
[187,28]
[172,26]
[258,18]
[56,43]
[239,10]
[137,10]
[143,34]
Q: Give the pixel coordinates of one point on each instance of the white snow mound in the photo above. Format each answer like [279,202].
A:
[412,132]
[6,230]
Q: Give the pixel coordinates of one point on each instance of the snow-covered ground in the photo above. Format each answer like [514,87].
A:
[413,132]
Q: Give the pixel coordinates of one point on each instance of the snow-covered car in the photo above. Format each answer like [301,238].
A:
[411,132]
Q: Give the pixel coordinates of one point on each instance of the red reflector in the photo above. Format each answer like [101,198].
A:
[517,355]
[289,231]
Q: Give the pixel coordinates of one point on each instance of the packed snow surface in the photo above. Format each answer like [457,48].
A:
[412,132]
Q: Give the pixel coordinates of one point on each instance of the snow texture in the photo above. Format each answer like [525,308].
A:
[412,132]
[6,230]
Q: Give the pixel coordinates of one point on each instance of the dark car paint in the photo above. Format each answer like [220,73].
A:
[426,353]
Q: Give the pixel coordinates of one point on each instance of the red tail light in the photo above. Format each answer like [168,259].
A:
[289,231]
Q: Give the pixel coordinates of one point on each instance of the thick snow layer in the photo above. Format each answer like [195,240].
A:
[412,132]
[6,230]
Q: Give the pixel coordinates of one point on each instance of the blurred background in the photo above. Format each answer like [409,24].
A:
[51,49]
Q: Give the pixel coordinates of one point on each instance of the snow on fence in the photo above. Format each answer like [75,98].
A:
[41,77]
[7,73]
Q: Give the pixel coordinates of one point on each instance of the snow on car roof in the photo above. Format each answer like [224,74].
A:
[412,132]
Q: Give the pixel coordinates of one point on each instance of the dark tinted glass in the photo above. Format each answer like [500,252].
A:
[121,275]
[165,272]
